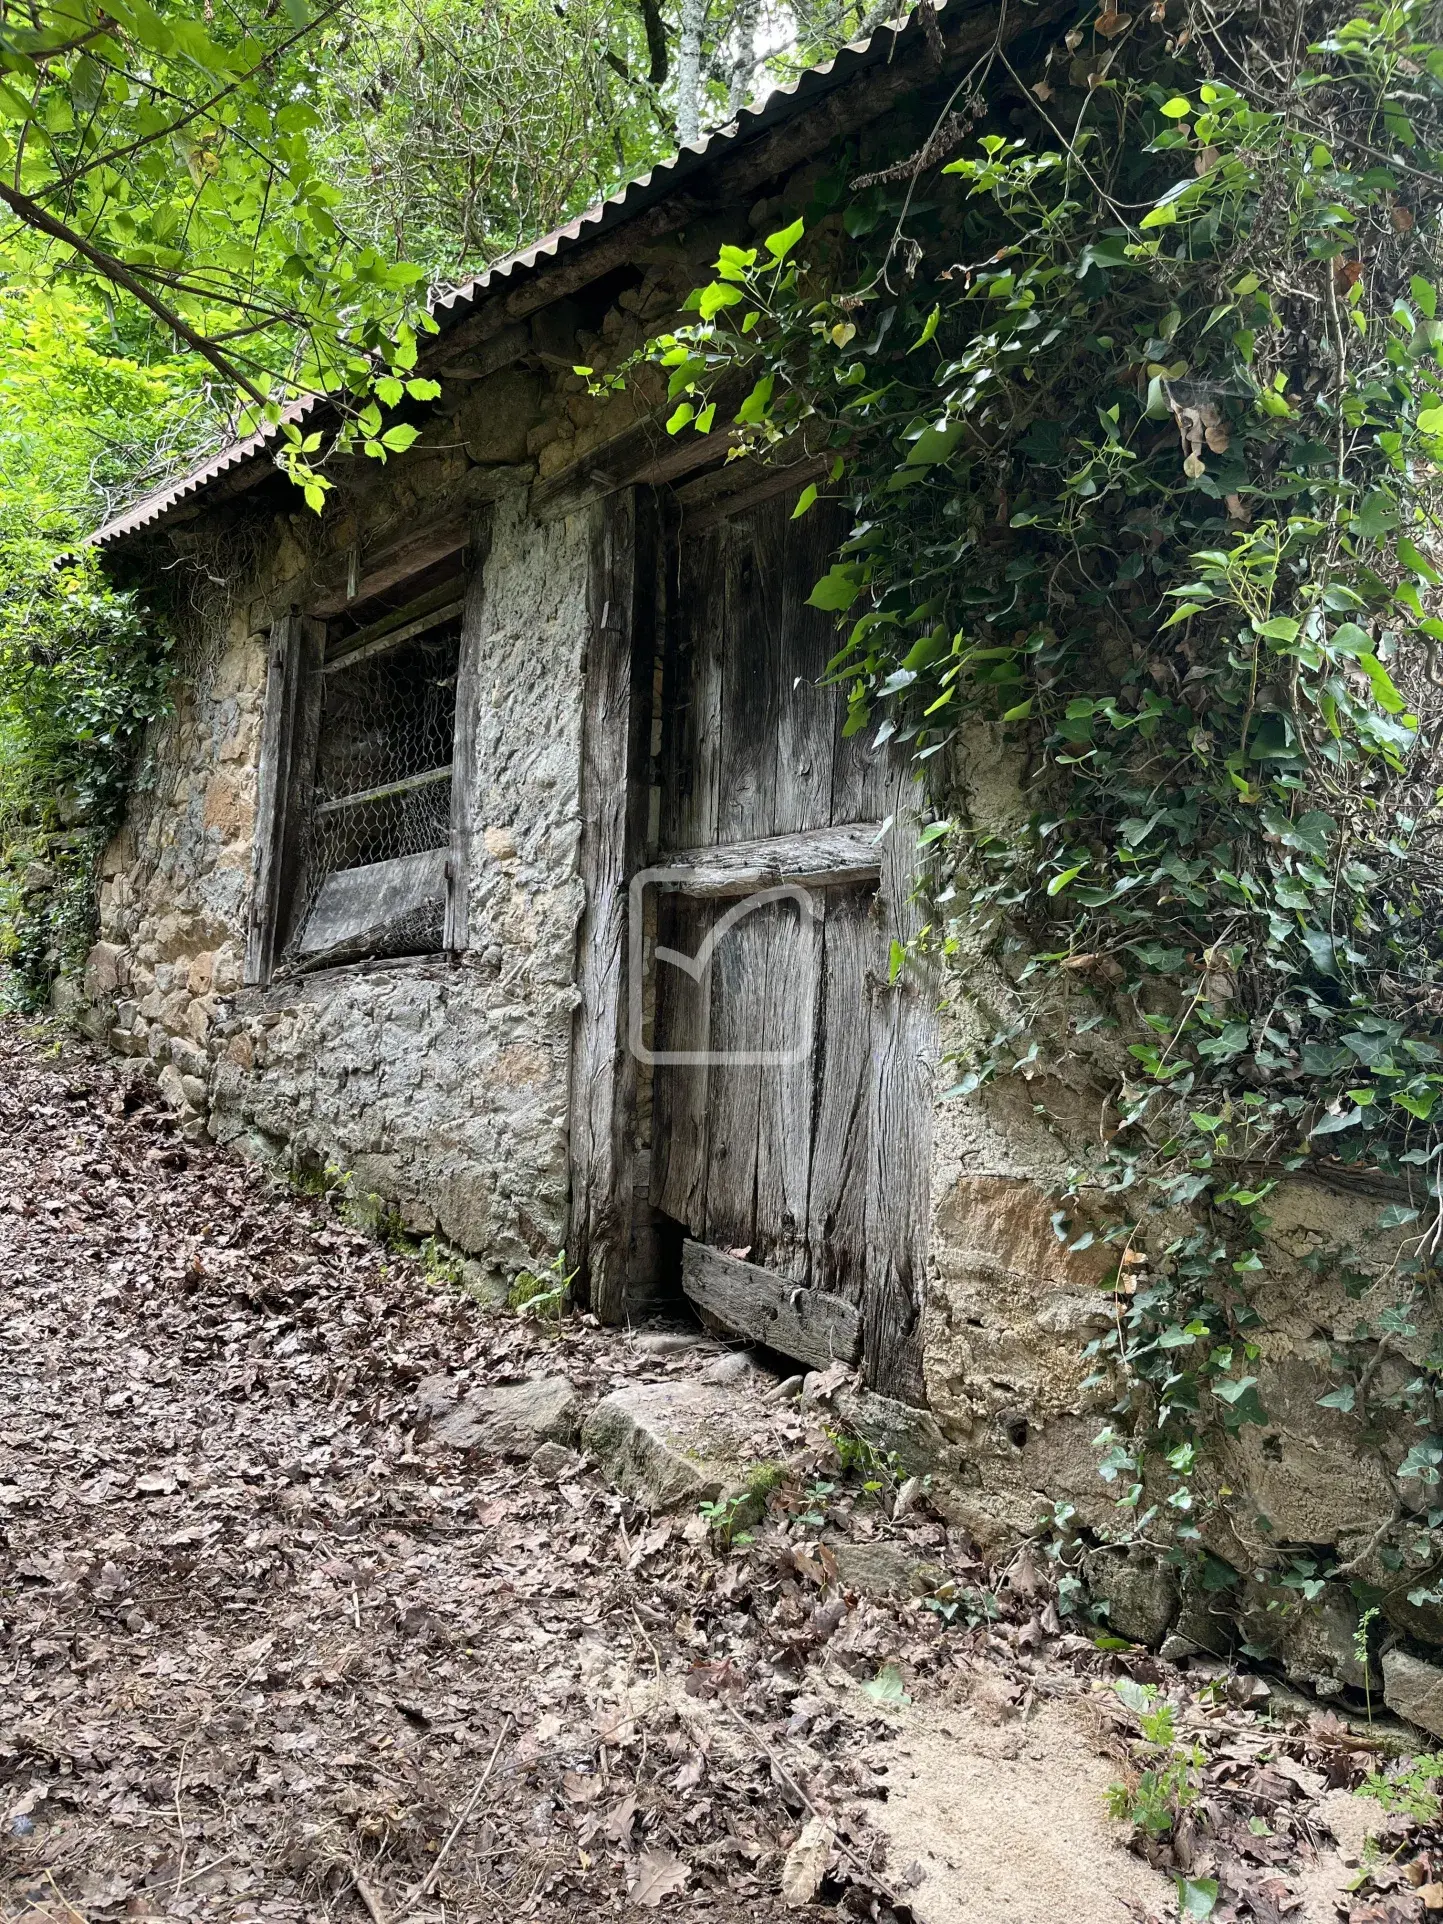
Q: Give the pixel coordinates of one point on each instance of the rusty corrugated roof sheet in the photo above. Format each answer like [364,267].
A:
[780,105]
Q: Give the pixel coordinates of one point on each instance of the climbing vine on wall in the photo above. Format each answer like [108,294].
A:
[1132,378]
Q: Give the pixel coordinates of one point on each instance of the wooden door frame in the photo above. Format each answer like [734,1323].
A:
[629,632]
[608,1244]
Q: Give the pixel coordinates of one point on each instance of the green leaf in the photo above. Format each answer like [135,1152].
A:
[805,500]
[1335,1125]
[679,418]
[1196,1896]
[1424,295]
[754,407]
[1060,882]
[396,440]
[887,1687]
[714,298]
[929,329]
[1430,421]
[1178,108]
[837,589]
[935,443]
[1384,693]
[780,244]
[389,390]
[1396,1216]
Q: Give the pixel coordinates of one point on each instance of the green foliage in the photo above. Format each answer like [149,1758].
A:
[1407,1787]
[1169,1780]
[1138,425]
[83,669]
[879,1470]
[168,160]
[546,1296]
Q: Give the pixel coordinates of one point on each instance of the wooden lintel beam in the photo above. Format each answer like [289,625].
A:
[411,550]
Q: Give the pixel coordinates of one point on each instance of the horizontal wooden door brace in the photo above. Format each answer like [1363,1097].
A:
[814,857]
[805,1324]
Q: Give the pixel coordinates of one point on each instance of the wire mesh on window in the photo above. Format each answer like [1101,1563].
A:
[383,775]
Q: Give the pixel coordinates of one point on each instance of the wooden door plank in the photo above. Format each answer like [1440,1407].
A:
[801,1323]
[683,1026]
[904,1044]
[752,645]
[790,1028]
[692,751]
[275,828]
[690,776]
[616,727]
[738,1016]
[819,857]
[852,949]
[810,714]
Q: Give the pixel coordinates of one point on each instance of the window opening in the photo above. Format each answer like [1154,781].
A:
[374,874]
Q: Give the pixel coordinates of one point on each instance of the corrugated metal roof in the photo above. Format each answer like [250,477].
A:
[648,188]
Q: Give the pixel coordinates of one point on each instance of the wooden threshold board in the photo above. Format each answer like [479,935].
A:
[805,1324]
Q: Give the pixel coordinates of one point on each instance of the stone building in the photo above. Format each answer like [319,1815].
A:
[387,900]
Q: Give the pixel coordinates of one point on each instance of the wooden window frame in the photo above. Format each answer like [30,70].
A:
[297,668]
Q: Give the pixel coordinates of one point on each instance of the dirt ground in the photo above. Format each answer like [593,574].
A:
[269,1648]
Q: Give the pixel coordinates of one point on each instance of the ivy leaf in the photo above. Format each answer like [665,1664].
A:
[1384,693]
[1335,1125]
[1320,948]
[887,1686]
[1396,1216]
[1377,517]
[1060,882]
[1340,1399]
[1196,1896]
[804,500]
[1240,1395]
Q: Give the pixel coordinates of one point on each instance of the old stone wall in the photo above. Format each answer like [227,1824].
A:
[1010,1309]
[439,1086]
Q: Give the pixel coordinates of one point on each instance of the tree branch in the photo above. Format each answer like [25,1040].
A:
[34,215]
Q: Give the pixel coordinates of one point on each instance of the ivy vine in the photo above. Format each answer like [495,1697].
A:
[1136,401]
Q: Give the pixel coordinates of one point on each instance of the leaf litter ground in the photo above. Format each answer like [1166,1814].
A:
[272,1649]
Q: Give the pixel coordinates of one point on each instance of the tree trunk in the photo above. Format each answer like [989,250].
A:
[689,71]
[744,60]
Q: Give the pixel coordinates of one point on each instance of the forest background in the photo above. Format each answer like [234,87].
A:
[208,214]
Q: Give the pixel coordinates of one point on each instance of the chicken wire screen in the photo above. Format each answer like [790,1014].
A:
[383,774]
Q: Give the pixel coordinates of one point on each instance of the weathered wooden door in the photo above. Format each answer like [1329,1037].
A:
[791,1089]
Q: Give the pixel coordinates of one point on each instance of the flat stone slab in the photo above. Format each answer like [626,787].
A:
[512,1419]
[670,1445]
[1414,1689]
[883,1569]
